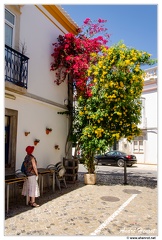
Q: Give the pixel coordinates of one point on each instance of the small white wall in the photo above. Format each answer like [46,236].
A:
[151,109]
[151,115]
[34,117]
[151,148]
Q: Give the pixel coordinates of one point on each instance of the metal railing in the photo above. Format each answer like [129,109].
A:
[151,73]
[16,67]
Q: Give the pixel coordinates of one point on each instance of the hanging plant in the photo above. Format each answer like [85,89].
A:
[36,141]
[48,130]
[26,133]
[57,147]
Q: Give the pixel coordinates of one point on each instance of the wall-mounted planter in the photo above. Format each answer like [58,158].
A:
[57,147]
[36,141]
[26,133]
[48,130]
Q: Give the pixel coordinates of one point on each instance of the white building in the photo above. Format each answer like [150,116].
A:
[32,99]
[145,146]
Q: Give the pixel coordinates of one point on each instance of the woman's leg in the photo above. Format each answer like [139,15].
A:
[32,199]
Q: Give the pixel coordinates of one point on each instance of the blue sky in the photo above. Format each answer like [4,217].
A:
[136,25]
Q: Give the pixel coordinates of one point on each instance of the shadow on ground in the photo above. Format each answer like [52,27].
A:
[117,178]
[18,205]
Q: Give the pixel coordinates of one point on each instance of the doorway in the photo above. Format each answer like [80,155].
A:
[11,117]
[7,140]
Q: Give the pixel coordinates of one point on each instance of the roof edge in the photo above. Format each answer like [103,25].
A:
[62,17]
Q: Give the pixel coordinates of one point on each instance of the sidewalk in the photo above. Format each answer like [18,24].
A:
[106,209]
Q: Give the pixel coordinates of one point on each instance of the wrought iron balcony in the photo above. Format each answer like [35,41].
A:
[16,67]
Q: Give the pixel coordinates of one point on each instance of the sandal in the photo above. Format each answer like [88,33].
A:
[34,204]
[29,203]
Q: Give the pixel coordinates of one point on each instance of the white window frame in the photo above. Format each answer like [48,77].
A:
[138,145]
[12,26]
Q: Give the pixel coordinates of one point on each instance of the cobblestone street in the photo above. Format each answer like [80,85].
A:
[108,208]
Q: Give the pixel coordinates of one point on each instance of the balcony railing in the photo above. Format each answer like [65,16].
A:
[16,67]
[151,73]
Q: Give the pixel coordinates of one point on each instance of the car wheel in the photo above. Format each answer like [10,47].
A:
[120,163]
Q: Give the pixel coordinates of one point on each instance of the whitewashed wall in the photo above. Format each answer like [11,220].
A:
[34,117]
[151,143]
[151,149]
[151,109]
[38,33]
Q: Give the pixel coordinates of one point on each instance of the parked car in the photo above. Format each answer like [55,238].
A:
[115,158]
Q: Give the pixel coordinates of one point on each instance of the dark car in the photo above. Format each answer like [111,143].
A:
[115,158]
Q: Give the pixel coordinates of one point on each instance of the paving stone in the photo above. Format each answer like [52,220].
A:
[80,209]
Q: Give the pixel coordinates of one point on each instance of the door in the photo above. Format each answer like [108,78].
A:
[7,140]
[11,117]
[110,157]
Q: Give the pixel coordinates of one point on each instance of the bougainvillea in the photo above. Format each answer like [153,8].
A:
[72,54]
[114,109]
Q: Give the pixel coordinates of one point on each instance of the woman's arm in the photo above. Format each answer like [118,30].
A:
[34,166]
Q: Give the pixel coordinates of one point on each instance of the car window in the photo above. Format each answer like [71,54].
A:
[121,153]
[110,153]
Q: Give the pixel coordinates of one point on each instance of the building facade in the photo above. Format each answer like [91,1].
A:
[32,99]
[145,147]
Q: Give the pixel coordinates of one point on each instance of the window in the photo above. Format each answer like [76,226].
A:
[138,145]
[9,28]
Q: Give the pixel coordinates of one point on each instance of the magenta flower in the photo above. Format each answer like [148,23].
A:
[72,54]
[101,20]
[87,20]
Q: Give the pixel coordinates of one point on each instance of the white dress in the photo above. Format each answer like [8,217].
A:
[31,187]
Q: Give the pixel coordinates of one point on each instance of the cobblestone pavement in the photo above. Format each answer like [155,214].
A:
[108,208]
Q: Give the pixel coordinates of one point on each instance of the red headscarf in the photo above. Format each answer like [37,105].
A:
[30,149]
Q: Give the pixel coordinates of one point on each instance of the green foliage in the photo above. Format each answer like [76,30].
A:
[114,109]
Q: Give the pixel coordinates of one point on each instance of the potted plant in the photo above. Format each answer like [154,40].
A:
[26,133]
[57,147]
[36,141]
[48,130]
[90,176]
[108,85]
[111,113]
[73,53]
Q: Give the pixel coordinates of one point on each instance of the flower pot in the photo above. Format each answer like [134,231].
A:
[90,178]
[36,142]
[26,133]
[48,130]
[57,147]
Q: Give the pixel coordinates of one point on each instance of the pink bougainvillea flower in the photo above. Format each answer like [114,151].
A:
[72,54]
[87,20]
